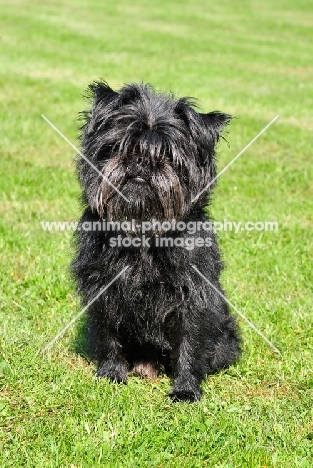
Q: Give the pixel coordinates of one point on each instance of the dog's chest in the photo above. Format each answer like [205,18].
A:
[151,313]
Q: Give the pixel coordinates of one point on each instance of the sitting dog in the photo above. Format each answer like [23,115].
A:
[147,168]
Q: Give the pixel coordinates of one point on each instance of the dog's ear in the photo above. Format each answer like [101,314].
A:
[205,129]
[102,97]
[101,92]
[212,125]
[210,131]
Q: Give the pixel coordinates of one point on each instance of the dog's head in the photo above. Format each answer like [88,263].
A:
[148,155]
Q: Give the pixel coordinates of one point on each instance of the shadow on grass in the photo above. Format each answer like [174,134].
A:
[80,345]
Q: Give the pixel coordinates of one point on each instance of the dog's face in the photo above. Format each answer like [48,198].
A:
[155,153]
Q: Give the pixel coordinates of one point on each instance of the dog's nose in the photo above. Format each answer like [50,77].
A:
[140,161]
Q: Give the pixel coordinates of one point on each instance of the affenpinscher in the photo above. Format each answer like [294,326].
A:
[147,156]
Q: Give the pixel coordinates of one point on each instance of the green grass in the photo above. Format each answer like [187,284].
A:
[251,59]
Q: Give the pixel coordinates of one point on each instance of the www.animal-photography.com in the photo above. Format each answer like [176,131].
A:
[156,234]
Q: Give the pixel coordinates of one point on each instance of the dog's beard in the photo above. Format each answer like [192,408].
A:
[158,195]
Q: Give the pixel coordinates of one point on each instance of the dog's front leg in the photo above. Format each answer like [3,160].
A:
[112,365]
[187,369]
[107,350]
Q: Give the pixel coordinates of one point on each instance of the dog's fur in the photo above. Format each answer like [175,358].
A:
[160,314]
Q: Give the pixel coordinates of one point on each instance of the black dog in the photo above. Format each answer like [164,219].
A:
[149,156]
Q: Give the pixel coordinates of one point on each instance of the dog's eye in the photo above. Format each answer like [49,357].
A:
[105,153]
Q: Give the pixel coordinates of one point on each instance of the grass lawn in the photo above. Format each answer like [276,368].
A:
[250,59]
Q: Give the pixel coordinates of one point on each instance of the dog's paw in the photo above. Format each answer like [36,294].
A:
[115,371]
[186,387]
[185,395]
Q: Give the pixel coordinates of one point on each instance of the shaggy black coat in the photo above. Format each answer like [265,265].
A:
[160,314]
